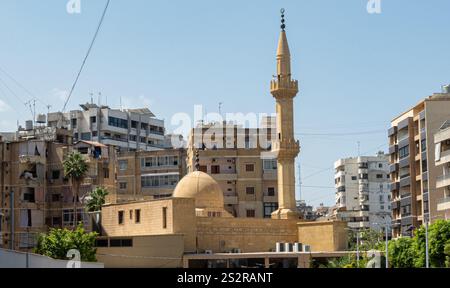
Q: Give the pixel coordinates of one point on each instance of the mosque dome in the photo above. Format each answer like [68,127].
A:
[202,187]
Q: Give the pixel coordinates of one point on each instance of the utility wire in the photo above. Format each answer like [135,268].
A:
[87,55]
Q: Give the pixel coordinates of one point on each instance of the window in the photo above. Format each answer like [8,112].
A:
[271,191]
[123,165]
[249,167]
[380,165]
[424,145]
[101,243]
[250,190]
[74,123]
[121,243]
[137,216]
[215,169]
[133,138]
[379,176]
[105,173]
[251,213]
[157,181]
[270,164]
[164,217]
[117,122]
[123,185]
[56,174]
[403,152]
[94,133]
[120,217]
[269,208]
[86,136]
[364,176]
[424,166]
[354,178]
[93,119]
[203,168]
[142,140]
[381,207]
[134,124]
[56,197]
[28,195]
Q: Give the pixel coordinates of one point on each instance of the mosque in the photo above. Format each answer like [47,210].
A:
[192,228]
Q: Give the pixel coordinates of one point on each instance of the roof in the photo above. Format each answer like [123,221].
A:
[144,111]
[92,143]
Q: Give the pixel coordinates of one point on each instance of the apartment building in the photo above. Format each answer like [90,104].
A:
[148,175]
[363,192]
[35,193]
[412,157]
[130,130]
[442,159]
[238,159]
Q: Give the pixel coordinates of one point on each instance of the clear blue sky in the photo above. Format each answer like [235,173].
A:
[357,71]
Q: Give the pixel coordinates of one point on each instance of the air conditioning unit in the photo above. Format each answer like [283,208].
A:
[208,252]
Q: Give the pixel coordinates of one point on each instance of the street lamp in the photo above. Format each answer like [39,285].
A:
[357,243]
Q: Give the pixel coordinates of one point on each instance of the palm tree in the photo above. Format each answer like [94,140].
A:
[97,199]
[75,167]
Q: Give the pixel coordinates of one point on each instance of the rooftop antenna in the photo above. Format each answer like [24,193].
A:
[299,181]
[99,98]
[120,99]
[92,97]
[220,108]
[359,149]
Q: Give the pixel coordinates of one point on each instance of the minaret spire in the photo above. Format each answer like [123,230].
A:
[286,147]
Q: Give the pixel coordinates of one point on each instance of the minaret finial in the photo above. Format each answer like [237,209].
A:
[283,26]
[197,160]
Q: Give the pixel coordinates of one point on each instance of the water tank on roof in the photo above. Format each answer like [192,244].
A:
[41,119]
[29,125]
[446,89]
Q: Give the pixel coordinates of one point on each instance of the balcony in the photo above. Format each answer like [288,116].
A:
[393,168]
[443,181]
[445,158]
[392,131]
[230,199]
[270,175]
[405,182]
[270,199]
[35,159]
[225,177]
[393,149]
[395,186]
[404,162]
[443,204]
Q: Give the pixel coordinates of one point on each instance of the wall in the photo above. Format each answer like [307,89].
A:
[156,251]
[247,234]
[323,236]
[14,259]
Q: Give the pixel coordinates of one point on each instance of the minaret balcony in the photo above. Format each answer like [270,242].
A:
[284,84]
[286,148]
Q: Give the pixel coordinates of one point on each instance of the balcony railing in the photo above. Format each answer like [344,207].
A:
[443,181]
[443,204]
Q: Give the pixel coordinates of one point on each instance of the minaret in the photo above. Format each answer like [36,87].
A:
[284,89]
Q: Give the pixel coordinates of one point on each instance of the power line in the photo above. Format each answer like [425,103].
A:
[87,55]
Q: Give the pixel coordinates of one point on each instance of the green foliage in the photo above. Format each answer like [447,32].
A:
[447,253]
[410,252]
[97,200]
[58,242]
[402,253]
[439,236]
[75,166]
[368,240]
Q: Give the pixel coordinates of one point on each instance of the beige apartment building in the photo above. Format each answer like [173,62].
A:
[235,158]
[442,160]
[414,174]
[147,175]
[35,193]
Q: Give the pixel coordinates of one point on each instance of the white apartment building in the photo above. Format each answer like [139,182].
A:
[129,130]
[442,159]
[363,191]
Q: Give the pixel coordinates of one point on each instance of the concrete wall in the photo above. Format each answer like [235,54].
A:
[156,251]
[14,259]
[247,234]
[323,236]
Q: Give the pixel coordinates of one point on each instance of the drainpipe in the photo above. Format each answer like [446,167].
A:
[12,222]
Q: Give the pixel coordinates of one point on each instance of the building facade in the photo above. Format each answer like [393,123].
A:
[129,130]
[442,159]
[235,157]
[147,175]
[412,158]
[35,193]
[363,191]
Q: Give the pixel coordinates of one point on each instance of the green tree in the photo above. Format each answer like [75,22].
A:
[447,253]
[438,237]
[402,253]
[98,196]
[75,167]
[57,242]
